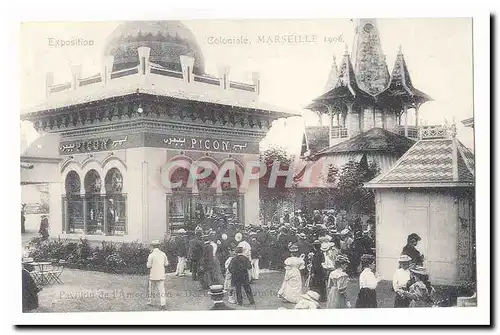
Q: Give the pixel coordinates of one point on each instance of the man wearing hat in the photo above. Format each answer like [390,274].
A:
[182,245]
[310,300]
[400,282]
[255,252]
[239,268]
[196,252]
[157,261]
[410,249]
[318,273]
[216,292]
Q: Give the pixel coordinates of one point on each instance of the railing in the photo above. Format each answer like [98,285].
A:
[221,81]
[207,80]
[90,80]
[60,87]
[412,131]
[242,86]
[339,132]
[123,73]
[165,72]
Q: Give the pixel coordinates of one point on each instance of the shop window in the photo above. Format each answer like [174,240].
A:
[94,212]
[116,203]
[74,209]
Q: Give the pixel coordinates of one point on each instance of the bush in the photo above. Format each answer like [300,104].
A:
[129,258]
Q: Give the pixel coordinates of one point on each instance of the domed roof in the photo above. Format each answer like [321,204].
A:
[45,146]
[168,40]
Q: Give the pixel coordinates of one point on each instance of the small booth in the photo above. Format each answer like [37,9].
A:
[429,191]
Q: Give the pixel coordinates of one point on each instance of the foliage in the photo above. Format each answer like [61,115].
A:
[350,194]
[126,257]
[272,198]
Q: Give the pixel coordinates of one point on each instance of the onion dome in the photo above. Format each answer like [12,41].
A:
[168,40]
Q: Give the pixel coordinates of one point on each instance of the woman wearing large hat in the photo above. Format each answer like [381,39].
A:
[309,300]
[337,284]
[421,290]
[291,289]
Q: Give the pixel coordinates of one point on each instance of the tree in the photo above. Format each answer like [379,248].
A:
[273,198]
[350,195]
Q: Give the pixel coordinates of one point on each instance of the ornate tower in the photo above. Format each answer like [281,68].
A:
[368,59]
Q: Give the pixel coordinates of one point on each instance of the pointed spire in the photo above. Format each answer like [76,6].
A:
[332,78]
[368,58]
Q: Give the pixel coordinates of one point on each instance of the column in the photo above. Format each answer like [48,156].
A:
[416,116]
[405,109]
[373,112]
[348,119]
[65,215]
[84,214]
[383,118]
[361,121]
[241,207]
[105,215]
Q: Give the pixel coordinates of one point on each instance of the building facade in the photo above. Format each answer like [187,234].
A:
[152,106]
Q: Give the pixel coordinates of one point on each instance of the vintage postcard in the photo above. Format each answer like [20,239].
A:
[248,164]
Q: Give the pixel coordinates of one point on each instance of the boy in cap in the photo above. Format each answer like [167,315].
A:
[216,292]
[400,282]
[239,267]
[157,261]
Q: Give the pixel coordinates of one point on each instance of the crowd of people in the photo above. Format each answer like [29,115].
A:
[316,257]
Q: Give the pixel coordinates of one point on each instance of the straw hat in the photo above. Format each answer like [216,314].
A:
[325,246]
[293,247]
[238,237]
[182,231]
[342,259]
[311,295]
[420,270]
[216,290]
[404,258]
[155,242]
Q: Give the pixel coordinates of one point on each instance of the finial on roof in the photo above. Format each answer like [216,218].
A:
[453,131]
[400,50]
[346,50]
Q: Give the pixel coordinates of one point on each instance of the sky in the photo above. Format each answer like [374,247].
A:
[438,52]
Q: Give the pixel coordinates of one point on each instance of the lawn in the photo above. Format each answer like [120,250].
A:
[88,291]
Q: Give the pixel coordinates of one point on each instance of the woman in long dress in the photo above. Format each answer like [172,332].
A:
[367,297]
[291,289]
[421,290]
[337,284]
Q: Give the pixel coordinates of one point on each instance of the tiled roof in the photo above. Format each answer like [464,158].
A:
[400,86]
[442,162]
[317,139]
[375,139]
[347,87]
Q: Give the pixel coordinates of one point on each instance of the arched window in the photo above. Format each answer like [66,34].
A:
[95,205]
[180,210]
[116,203]
[72,183]
[73,212]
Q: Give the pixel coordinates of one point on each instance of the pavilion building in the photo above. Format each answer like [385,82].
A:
[372,113]
[152,104]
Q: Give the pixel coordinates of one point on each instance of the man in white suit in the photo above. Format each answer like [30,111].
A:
[157,261]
